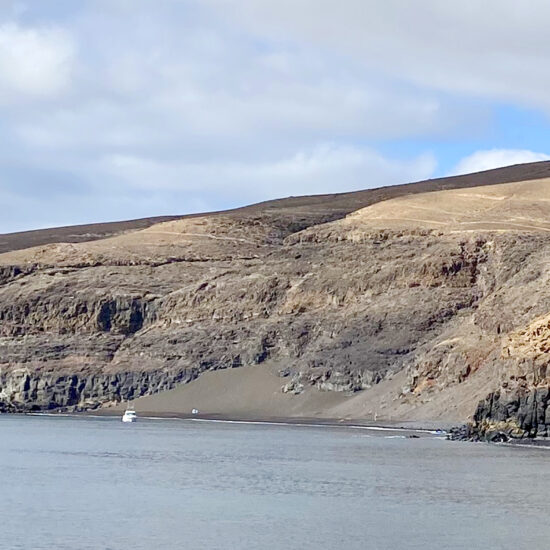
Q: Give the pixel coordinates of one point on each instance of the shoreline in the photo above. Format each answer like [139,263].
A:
[405,427]
[428,428]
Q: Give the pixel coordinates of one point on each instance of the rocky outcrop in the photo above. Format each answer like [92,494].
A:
[517,415]
[339,322]
[520,408]
[25,391]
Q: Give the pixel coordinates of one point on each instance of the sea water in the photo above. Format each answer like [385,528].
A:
[90,483]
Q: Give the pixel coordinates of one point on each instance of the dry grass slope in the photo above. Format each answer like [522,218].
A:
[318,208]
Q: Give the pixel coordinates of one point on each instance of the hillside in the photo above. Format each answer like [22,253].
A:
[409,302]
[317,207]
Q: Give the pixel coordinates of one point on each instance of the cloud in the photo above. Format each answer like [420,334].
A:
[326,169]
[493,49]
[495,158]
[35,62]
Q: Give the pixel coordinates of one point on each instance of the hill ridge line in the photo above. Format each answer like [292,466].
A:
[323,208]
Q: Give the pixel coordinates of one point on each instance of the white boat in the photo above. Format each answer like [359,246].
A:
[129,414]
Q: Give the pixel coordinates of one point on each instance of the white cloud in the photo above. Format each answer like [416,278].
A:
[325,169]
[34,61]
[495,158]
[494,48]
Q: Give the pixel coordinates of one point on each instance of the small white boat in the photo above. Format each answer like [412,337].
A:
[129,414]
[194,411]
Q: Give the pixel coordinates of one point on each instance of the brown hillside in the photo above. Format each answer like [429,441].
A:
[320,207]
[417,307]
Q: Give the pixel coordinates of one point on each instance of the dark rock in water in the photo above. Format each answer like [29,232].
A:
[468,432]
[496,437]
[461,433]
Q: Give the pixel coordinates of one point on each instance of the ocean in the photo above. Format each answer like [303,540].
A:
[83,483]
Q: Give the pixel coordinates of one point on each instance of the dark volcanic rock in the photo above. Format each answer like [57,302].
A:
[516,414]
[462,433]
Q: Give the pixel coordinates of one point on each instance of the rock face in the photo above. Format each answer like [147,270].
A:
[25,391]
[341,294]
[517,415]
[521,406]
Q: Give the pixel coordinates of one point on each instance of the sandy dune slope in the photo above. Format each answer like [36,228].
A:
[522,206]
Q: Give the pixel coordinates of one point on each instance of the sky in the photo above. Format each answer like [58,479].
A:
[120,109]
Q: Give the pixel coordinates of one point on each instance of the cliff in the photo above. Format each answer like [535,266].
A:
[432,295]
